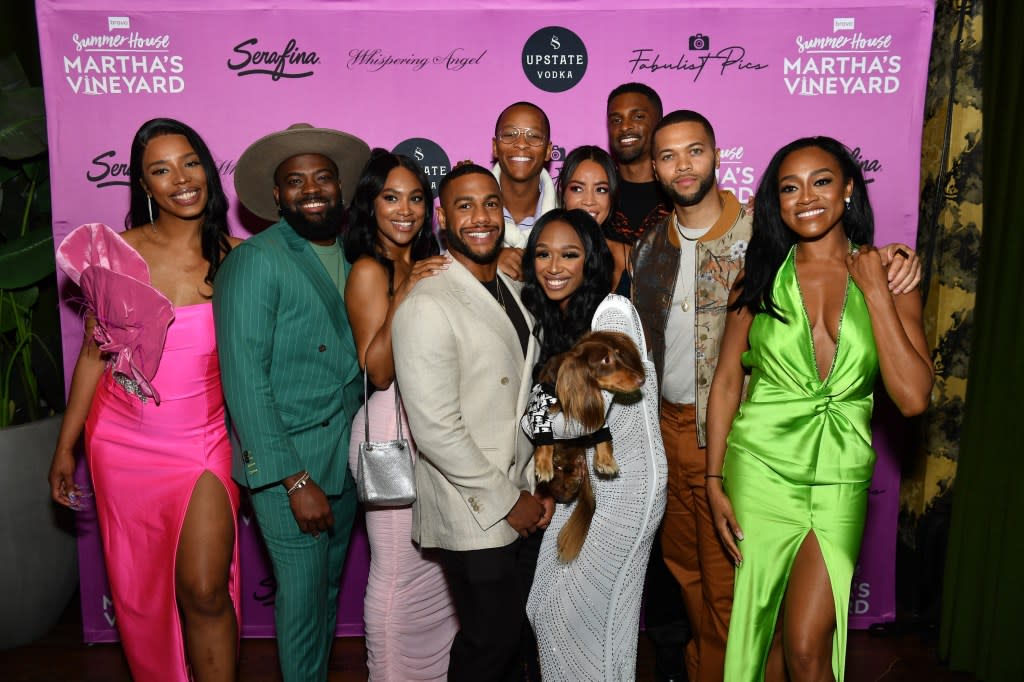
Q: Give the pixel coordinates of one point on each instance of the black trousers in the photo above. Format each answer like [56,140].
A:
[489,588]
[665,617]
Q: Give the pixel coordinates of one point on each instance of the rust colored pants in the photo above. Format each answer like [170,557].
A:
[693,552]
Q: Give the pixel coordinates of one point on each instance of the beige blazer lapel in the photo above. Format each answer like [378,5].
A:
[523,470]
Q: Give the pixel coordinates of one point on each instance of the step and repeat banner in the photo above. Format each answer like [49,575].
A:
[429,81]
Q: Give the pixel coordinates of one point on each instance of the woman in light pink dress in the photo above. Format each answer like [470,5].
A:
[408,613]
[146,389]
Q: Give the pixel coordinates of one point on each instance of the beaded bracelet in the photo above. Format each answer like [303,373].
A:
[299,484]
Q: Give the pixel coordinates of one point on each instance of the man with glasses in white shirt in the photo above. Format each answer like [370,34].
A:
[521,148]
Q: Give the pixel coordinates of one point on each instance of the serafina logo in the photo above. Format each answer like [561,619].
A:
[291,62]
[429,155]
[554,59]
[106,171]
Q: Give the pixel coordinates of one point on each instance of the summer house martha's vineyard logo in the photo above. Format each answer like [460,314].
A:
[429,155]
[249,58]
[124,62]
[735,174]
[843,62]
[554,59]
[703,54]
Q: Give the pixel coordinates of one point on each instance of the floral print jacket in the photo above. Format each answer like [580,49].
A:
[720,258]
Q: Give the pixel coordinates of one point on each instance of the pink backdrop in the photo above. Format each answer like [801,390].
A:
[435,78]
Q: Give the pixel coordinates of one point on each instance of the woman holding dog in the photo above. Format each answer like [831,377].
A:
[588,181]
[408,613]
[813,320]
[585,612]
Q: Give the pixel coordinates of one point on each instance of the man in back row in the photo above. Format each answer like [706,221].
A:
[521,147]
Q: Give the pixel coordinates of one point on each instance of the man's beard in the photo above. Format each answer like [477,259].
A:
[631,155]
[329,227]
[694,198]
[455,243]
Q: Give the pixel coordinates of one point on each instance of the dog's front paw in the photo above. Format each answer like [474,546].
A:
[604,460]
[606,468]
[543,466]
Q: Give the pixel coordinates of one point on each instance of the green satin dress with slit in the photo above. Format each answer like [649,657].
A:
[798,460]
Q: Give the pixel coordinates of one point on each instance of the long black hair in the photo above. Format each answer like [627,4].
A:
[772,239]
[213,233]
[361,238]
[589,152]
[558,330]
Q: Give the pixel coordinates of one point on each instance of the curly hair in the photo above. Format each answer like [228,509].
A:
[361,238]
[213,236]
[772,238]
[558,330]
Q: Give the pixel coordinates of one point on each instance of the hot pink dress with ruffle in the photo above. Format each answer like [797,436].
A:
[155,426]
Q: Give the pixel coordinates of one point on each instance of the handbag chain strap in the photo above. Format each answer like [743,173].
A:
[366,407]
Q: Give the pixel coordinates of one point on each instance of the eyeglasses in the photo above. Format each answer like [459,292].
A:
[532,137]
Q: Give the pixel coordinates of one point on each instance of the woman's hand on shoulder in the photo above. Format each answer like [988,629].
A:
[904,267]
[421,269]
[724,519]
[865,266]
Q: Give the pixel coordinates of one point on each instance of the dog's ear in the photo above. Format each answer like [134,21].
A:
[577,390]
[549,372]
[625,350]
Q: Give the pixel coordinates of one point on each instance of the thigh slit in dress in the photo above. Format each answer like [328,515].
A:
[155,425]
[798,459]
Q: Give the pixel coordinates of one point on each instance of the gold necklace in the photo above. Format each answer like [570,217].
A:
[497,289]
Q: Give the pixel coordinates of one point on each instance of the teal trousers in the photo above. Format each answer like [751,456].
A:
[308,575]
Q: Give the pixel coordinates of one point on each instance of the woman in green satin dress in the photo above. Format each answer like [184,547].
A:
[814,322]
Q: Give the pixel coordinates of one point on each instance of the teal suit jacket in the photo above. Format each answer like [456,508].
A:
[288,362]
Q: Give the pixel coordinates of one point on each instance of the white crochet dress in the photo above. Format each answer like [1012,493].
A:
[586,614]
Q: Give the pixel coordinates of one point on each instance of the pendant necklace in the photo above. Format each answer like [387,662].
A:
[684,303]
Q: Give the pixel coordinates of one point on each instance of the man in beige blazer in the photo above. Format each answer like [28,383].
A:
[464,353]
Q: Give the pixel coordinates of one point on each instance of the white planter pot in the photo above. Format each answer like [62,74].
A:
[38,556]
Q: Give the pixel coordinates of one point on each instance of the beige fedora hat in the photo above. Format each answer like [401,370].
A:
[254,174]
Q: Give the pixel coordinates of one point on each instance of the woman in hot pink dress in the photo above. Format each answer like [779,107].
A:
[408,613]
[146,389]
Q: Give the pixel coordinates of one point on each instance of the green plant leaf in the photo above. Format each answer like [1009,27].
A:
[22,123]
[26,260]
[8,172]
[13,304]
[12,74]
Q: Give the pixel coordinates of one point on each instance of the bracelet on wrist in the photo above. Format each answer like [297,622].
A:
[299,484]
[718,476]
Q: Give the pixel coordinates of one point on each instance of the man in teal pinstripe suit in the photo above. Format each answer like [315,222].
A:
[291,376]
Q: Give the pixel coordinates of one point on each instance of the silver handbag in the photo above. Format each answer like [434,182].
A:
[385,472]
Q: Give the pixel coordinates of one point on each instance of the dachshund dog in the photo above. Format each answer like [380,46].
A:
[599,360]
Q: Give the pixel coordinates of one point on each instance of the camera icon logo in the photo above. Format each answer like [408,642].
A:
[557,152]
[699,41]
